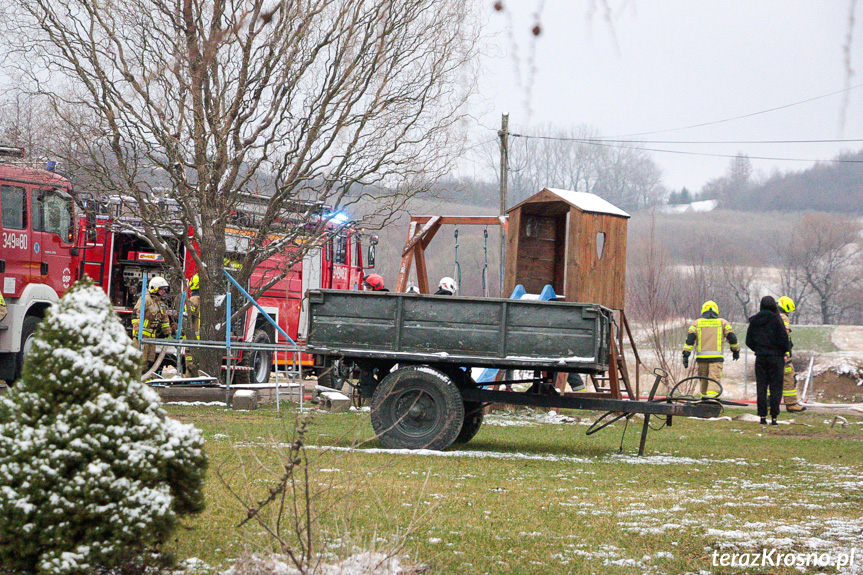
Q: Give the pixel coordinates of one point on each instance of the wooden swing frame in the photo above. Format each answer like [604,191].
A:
[421,232]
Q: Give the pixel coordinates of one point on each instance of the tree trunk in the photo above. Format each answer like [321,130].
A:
[212,282]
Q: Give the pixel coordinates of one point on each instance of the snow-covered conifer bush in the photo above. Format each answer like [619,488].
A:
[92,472]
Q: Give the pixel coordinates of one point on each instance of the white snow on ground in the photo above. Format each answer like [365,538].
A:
[193,403]
[616,458]
[847,337]
[530,418]
[840,364]
[465,454]
[366,563]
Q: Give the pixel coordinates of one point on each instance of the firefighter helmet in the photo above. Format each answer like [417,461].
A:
[374,282]
[195,282]
[412,289]
[157,283]
[448,284]
[710,305]
[786,304]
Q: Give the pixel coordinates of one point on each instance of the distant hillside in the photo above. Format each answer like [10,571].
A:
[827,187]
[751,236]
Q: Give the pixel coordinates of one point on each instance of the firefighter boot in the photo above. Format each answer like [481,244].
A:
[789,389]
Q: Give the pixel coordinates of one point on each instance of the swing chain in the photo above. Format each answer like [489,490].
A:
[457,266]
[485,263]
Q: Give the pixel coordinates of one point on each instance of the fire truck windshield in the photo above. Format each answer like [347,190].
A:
[54,213]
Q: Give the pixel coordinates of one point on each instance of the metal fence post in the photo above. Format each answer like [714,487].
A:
[229,371]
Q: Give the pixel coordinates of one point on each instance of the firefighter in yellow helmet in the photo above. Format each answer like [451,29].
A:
[789,381]
[193,319]
[156,320]
[706,337]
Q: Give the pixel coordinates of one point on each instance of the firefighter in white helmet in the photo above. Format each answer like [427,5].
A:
[706,337]
[789,381]
[156,320]
[447,286]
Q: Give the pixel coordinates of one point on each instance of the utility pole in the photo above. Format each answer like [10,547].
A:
[504,191]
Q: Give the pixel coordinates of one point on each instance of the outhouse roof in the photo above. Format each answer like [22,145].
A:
[583,201]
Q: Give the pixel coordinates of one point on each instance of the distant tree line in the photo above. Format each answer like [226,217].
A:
[576,158]
[677,263]
[833,186]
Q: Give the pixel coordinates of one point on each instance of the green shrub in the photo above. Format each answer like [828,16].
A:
[93,474]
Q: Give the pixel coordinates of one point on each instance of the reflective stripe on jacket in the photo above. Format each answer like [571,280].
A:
[707,335]
[156,321]
[787,323]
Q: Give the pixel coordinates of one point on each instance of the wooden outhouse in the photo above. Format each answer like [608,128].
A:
[574,241]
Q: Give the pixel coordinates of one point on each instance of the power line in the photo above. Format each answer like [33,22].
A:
[621,141]
[767,111]
[713,155]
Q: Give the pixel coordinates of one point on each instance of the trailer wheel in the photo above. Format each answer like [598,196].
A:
[417,408]
[28,328]
[334,376]
[260,360]
[473,415]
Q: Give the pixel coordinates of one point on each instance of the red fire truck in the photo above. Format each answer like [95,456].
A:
[37,253]
[44,251]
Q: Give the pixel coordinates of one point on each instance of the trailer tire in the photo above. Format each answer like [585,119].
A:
[28,328]
[417,407]
[335,374]
[474,412]
[260,360]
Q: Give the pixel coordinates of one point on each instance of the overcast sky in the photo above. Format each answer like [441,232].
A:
[665,64]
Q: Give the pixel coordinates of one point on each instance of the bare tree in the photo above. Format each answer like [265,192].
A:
[792,279]
[629,177]
[653,289]
[700,280]
[578,159]
[740,279]
[732,188]
[825,251]
[318,102]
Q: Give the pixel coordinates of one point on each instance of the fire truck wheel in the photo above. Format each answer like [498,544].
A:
[261,360]
[473,415]
[28,328]
[417,407]
[335,374]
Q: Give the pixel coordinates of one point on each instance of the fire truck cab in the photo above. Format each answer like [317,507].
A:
[37,252]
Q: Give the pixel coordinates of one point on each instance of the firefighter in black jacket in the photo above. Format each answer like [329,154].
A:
[767,338]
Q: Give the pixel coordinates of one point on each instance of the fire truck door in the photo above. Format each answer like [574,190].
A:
[15,240]
[340,278]
[312,267]
[53,237]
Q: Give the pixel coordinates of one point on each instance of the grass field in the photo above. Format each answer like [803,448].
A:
[528,497]
[814,338]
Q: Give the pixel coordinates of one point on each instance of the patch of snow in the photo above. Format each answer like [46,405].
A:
[588,202]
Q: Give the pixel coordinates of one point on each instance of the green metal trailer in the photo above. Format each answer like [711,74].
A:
[413,356]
